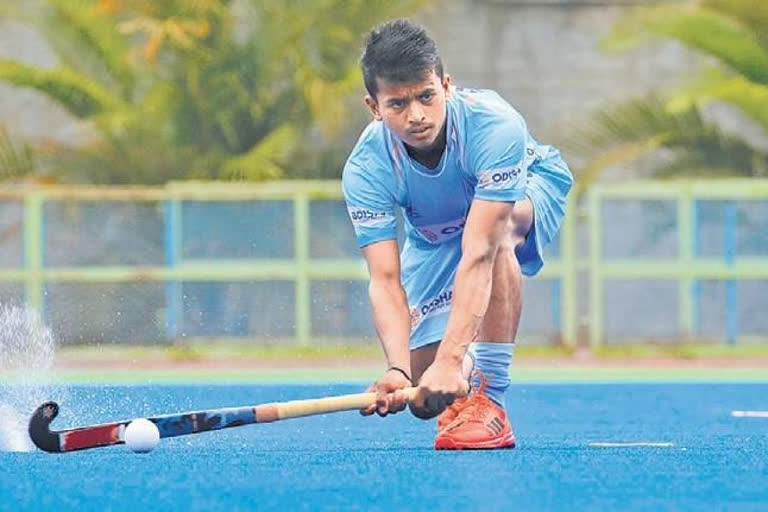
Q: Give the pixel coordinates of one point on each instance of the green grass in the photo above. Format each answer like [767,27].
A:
[227,350]
[215,351]
[309,375]
[685,351]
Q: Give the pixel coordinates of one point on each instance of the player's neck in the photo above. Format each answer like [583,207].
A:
[429,157]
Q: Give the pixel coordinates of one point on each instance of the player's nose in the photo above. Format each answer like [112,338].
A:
[416,113]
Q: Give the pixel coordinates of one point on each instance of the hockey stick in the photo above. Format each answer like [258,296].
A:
[172,425]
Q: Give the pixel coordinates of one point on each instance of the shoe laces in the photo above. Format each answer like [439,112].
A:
[476,409]
[478,401]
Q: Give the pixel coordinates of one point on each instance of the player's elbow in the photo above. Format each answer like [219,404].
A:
[480,248]
[385,279]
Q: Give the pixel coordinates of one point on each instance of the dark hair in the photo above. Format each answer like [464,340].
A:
[399,51]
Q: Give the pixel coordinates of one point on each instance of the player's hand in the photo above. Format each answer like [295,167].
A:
[440,385]
[389,398]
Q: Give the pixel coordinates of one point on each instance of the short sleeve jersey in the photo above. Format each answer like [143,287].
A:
[488,155]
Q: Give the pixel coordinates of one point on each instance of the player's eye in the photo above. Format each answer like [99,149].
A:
[427,96]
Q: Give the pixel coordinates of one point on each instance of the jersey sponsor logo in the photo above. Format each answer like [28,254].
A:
[367,218]
[499,179]
[506,178]
[438,233]
[439,304]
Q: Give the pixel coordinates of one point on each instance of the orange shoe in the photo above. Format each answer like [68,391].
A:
[449,414]
[479,425]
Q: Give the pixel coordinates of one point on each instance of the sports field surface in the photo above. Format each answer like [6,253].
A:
[693,454]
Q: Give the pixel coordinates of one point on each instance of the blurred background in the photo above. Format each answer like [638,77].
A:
[170,169]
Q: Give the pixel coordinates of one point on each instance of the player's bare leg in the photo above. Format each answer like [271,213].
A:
[421,358]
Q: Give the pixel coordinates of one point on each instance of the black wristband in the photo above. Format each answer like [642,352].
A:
[398,369]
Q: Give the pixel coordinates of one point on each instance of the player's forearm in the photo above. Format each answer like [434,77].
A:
[471,294]
[392,320]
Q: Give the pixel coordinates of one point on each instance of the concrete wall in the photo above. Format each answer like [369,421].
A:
[27,113]
[543,56]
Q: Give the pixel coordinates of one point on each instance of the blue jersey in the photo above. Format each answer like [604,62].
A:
[488,155]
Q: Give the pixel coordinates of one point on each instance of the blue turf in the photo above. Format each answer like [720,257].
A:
[346,461]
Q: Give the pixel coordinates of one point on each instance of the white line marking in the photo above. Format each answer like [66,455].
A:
[749,414]
[632,445]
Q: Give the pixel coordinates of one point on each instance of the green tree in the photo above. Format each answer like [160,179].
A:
[670,133]
[201,89]
[16,158]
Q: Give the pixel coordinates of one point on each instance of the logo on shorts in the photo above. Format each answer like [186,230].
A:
[435,306]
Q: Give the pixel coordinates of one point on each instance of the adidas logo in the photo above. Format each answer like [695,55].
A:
[496,425]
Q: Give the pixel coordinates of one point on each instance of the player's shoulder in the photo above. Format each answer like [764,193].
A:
[370,152]
[369,161]
[481,109]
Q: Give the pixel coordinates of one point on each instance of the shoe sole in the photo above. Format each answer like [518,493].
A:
[507,442]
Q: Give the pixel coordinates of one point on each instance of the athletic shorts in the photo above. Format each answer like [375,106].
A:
[428,270]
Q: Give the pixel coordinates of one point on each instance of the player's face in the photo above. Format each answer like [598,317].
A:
[415,112]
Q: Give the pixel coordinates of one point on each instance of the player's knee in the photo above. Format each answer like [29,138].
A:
[506,248]
[520,222]
[517,233]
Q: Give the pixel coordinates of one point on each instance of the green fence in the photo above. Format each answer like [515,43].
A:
[687,268]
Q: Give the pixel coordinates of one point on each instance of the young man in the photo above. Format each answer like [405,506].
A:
[480,198]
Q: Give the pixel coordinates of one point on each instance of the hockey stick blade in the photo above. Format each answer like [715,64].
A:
[108,434]
[39,427]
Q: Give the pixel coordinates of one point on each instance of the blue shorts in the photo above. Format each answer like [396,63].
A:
[428,270]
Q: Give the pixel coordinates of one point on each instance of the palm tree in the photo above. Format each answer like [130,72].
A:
[671,133]
[16,158]
[204,89]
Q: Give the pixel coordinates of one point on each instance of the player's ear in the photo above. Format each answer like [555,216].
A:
[373,106]
[447,84]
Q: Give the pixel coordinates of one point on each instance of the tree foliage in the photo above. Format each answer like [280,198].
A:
[16,158]
[197,88]
[672,128]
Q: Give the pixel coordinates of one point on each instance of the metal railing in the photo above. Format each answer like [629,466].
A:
[687,268]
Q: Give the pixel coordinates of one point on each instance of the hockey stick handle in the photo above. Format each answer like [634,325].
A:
[298,408]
